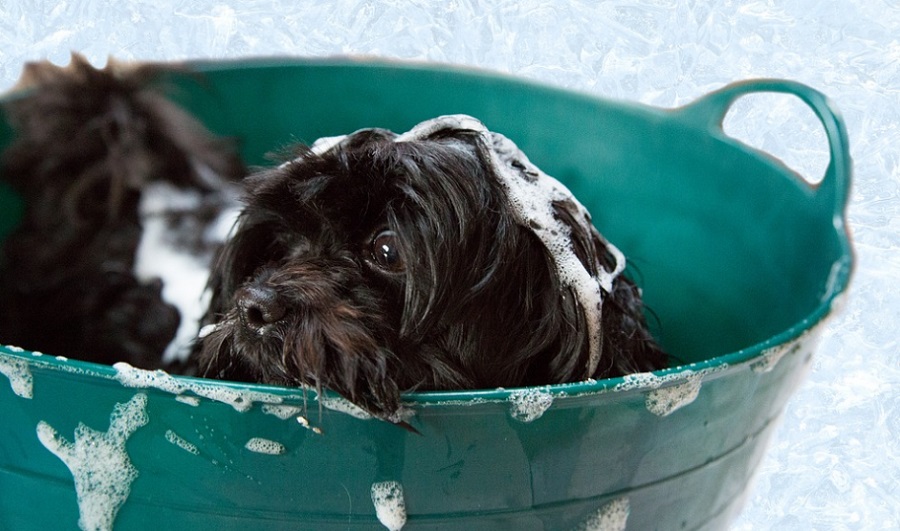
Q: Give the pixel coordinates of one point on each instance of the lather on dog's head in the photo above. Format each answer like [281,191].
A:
[377,263]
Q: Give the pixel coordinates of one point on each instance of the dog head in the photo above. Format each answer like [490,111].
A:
[441,258]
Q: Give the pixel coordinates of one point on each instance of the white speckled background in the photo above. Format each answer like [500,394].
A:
[835,461]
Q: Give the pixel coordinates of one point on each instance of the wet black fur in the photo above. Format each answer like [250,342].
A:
[478,304]
[87,141]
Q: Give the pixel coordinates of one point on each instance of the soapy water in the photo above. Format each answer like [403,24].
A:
[99,462]
[390,505]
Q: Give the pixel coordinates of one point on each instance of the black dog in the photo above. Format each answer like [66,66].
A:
[374,264]
[125,195]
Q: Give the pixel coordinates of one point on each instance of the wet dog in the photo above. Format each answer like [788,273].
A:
[441,258]
[126,199]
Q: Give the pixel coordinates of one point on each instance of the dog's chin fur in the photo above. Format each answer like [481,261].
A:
[300,296]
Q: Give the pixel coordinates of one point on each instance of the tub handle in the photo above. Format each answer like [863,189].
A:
[833,191]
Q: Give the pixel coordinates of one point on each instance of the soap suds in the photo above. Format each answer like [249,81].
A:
[175,439]
[530,404]
[189,400]
[281,411]
[390,506]
[666,394]
[342,405]
[769,358]
[265,446]
[611,517]
[666,400]
[239,399]
[20,378]
[99,462]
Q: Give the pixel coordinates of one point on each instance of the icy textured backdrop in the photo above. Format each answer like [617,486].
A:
[835,462]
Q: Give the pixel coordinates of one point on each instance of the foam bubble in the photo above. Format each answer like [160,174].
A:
[769,358]
[530,404]
[665,401]
[175,439]
[281,411]
[265,446]
[669,392]
[20,378]
[239,399]
[189,400]
[326,143]
[341,404]
[99,463]
[611,517]
[390,506]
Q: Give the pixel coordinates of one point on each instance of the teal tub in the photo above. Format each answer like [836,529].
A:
[740,259]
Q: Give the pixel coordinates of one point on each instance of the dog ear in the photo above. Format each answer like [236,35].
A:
[626,346]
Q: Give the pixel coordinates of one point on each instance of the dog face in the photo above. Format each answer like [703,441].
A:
[374,264]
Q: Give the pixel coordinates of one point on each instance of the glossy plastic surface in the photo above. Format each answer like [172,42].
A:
[739,258]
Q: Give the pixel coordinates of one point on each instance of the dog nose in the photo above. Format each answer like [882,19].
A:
[260,306]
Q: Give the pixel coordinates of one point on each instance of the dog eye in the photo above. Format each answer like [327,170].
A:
[386,251]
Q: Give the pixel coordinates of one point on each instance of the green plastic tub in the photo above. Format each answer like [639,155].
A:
[740,259]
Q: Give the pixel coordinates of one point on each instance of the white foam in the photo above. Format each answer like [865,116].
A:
[265,446]
[326,143]
[530,404]
[532,193]
[390,506]
[207,330]
[670,392]
[281,411]
[99,463]
[342,405]
[769,358]
[20,378]
[239,399]
[611,517]
[175,439]
[666,400]
[189,400]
